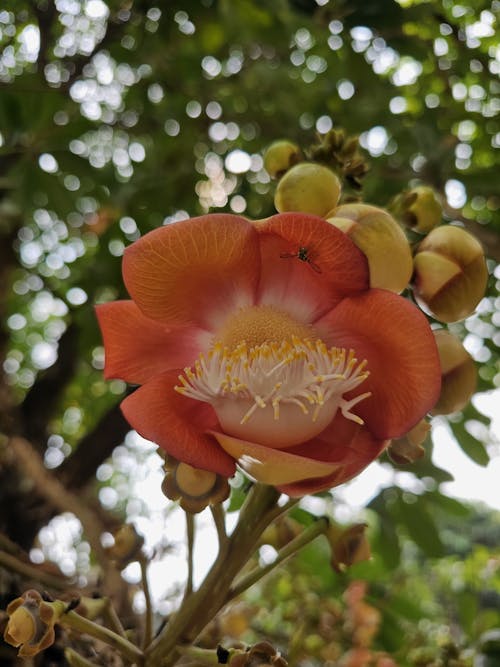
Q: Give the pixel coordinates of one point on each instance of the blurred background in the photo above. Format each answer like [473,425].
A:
[120,116]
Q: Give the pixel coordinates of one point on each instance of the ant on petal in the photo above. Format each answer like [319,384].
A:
[302,254]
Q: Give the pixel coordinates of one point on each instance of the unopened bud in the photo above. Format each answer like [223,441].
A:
[307,187]
[408,448]
[459,376]
[280,156]
[381,239]
[259,655]
[348,545]
[419,209]
[127,547]
[281,532]
[450,273]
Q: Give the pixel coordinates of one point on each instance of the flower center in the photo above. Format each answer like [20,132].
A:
[261,324]
[276,394]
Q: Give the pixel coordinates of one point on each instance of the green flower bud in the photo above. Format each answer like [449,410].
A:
[420,209]
[382,240]
[450,273]
[280,156]
[309,188]
[459,376]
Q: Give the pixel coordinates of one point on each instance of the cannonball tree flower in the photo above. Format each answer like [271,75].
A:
[261,344]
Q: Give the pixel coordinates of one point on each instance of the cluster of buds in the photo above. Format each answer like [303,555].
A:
[407,246]
[342,153]
[312,184]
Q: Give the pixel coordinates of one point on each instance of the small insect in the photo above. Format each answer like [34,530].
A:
[302,254]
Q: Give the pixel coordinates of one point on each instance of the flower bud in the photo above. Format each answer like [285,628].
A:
[195,488]
[458,374]
[308,188]
[450,273]
[280,156]
[408,448]
[31,623]
[281,532]
[127,547]
[381,239]
[419,209]
[348,545]
[260,654]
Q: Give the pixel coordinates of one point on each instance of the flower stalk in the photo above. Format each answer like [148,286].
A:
[148,616]
[199,608]
[190,531]
[319,527]
[81,624]
[220,524]
[74,659]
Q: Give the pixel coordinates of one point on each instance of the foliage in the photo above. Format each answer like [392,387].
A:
[418,610]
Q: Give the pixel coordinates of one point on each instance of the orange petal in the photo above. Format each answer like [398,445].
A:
[272,466]
[307,288]
[397,342]
[177,424]
[195,271]
[138,348]
[351,446]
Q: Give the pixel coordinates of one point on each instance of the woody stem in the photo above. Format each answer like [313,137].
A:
[200,607]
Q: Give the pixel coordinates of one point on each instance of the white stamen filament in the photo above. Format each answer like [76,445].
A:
[302,373]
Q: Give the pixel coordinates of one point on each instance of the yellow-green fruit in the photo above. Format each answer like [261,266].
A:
[459,376]
[425,212]
[450,273]
[382,240]
[309,188]
[280,156]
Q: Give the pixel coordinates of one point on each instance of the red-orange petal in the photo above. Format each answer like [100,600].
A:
[194,272]
[331,267]
[138,348]
[344,442]
[271,466]
[177,424]
[397,342]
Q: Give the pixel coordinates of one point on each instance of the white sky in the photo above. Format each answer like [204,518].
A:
[472,481]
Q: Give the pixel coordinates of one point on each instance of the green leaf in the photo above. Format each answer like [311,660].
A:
[448,505]
[474,449]
[419,524]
